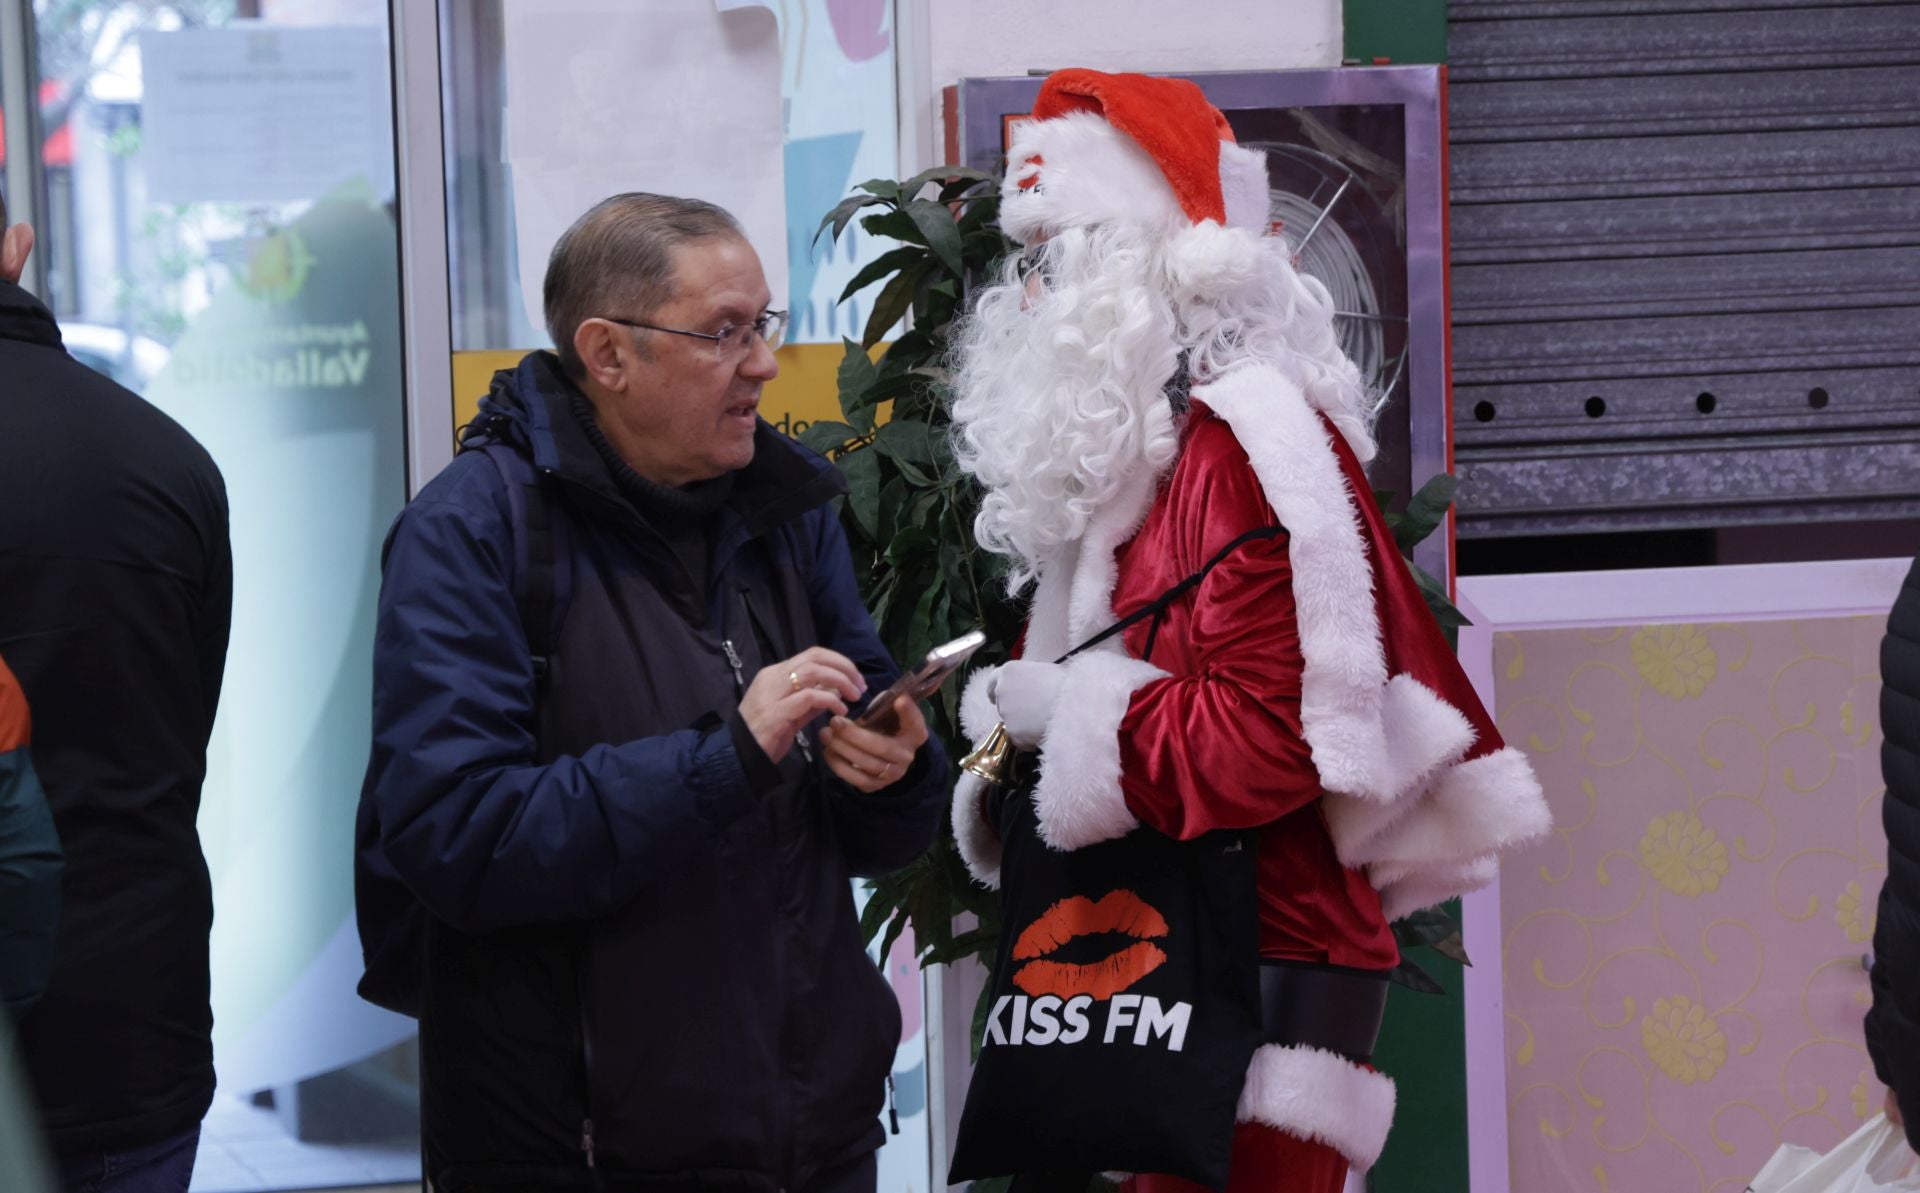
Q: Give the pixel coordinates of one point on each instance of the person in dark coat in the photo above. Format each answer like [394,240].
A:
[116,590]
[30,860]
[639,965]
[1893,1023]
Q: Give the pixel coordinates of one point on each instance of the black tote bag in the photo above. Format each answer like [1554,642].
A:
[1125,1003]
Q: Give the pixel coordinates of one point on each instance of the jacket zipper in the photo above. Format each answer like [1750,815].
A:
[739,668]
[770,649]
[586,1054]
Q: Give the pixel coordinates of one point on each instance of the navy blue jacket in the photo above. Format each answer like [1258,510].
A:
[641,952]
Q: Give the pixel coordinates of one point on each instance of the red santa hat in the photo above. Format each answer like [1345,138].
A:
[1128,149]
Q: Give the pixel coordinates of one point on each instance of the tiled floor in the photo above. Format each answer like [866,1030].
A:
[245,1149]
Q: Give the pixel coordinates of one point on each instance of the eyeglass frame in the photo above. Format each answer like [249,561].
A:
[719,338]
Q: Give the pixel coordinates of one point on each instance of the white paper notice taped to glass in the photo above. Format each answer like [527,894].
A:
[259,114]
[677,97]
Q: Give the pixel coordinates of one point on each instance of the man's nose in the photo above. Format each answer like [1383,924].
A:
[760,363]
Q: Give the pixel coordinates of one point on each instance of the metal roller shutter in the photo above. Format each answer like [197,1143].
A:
[1686,262]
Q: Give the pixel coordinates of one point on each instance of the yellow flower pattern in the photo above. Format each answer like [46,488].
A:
[1680,1038]
[1863,1102]
[1849,911]
[1676,661]
[1683,855]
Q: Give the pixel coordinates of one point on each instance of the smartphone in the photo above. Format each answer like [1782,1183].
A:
[922,681]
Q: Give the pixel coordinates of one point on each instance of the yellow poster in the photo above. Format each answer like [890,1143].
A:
[806,391]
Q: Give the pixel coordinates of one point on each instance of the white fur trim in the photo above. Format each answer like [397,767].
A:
[977,715]
[1092,173]
[1444,844]
[1243,180]
[1436,885]
[979,844]
[1424,734]
[1073,600]
[1343,688]
[1077,799]
[1318,1096]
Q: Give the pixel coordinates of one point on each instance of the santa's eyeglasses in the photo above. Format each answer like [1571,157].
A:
[1030,266]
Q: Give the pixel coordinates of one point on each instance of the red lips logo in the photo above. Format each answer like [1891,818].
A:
[1072,918]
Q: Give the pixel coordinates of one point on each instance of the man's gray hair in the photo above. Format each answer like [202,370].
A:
[616,261]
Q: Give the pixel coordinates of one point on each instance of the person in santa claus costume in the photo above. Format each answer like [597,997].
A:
[1150,381]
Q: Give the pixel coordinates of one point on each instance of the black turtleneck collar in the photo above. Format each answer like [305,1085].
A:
[663,505]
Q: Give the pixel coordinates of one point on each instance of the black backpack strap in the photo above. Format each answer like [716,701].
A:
[1157,608]
[542,565]
[537,580]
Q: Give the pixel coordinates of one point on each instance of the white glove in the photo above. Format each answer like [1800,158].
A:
[1023,694]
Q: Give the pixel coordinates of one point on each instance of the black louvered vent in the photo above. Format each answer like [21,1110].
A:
[1686,262]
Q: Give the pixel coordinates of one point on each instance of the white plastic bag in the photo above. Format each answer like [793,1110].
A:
[1873,1159]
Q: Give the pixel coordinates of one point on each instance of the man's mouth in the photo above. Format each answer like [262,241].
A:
[1121,913]
[745,410]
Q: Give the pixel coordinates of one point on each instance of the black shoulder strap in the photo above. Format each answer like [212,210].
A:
[540,587]
[537,597]
[1157,607]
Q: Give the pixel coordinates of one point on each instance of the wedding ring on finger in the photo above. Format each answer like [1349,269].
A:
[793,677]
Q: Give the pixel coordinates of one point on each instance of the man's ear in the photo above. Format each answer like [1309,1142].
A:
[15,244]
[600,346]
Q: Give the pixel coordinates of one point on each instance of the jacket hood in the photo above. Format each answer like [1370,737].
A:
[25,318]
[529,406]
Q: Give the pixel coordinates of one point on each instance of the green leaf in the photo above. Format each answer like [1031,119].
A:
[983,212]
[1425,512]
[862,470]
[1425,927]
[894,927]
[888,388]
[980,1009]
[1453,948]
[942,234]
[893,303]
[912,186]
[885,188]
[978,942]
[885,897]
[1414,978]
[907,440]
[880,267]
[1444,610]
[961,189]
[842,212]
[826,436]
[895,225]
[857,374]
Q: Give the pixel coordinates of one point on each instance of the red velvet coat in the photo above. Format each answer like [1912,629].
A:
[1302,689]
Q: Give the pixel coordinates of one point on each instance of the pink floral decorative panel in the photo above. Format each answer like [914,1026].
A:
[1683,956]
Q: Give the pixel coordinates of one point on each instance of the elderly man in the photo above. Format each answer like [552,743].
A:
[618,641]
[1147,393]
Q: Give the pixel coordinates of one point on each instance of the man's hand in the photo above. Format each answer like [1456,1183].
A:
[784,697]
[1023,693]
[868,759]
[1893,1110]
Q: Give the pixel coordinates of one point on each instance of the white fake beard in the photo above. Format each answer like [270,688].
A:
[1059,400]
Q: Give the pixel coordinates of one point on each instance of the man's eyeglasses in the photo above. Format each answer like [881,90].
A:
[731,342]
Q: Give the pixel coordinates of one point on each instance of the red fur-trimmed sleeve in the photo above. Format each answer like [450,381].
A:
[1218,742]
